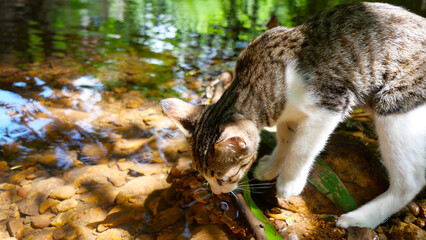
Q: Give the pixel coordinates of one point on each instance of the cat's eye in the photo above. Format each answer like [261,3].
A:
[245,165]
[220,182]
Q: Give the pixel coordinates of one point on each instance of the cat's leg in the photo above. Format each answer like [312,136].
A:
[308,140]
[402,140]
[269,166]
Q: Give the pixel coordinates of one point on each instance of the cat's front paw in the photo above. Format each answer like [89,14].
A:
[357,219]
[288,189]
[266,169]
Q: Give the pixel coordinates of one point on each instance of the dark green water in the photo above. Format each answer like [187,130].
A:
[165,38]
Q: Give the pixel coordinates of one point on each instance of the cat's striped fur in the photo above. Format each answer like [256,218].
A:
[306,80]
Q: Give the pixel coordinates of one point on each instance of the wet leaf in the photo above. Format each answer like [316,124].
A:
[327,182]
[270,231]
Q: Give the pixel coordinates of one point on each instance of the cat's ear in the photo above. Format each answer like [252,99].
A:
[181,113]
[231,145]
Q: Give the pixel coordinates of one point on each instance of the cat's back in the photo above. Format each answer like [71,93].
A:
[371,53]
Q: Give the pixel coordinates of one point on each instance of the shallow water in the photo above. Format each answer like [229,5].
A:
[70,69]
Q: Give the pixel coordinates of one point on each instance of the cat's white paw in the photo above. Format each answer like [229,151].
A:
[288,189]
[357,219]
[266,169]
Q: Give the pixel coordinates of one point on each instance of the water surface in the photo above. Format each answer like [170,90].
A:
[77,76]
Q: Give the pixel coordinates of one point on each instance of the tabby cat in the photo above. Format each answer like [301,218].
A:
[305,80]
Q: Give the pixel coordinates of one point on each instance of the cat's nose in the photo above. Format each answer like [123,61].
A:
[216,189]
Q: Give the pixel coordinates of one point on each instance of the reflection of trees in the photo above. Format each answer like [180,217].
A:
[41,28]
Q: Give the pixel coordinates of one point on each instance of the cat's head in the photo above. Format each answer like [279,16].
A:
[223,143]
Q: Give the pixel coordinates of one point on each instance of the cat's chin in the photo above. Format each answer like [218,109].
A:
[221,189]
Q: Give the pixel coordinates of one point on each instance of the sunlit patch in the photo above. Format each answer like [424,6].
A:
[20,84]
[88,81]
[38,81]
[47,92]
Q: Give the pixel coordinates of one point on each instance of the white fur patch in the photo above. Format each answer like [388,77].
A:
[402,139]
[302,132]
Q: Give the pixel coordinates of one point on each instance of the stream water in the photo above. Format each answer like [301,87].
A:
[61,56]
[80,80]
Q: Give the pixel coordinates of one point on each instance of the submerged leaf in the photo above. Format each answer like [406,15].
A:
[270,231]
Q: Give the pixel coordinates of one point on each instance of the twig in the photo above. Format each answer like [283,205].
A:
[256,225]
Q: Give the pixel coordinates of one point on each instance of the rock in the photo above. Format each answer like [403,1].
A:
[62,218]
[197,212]
[118,178]
[420,222]
[63,192]
[207,232]
[5,235]
[102,228]
[7,186]
[128,146]
[382,236]
[15,228]
[66,205]
[150,168]
[41,174]
[5,199]
[41,221]
[3,216]
[39,192]
[414,208]
[93,215]
[409,218]
[170,149]
[41,235]
[202,195]
[132,99]
[153,118]
[10,149]
[422,205]
[406,231]
[22,191]
[91,175]
[119,215]
[95,152]
[356,233]
[47,158]
[164,219]
[135,192]
[14,211]
[20,176]
[111,234]
[59,233]
[3,165]
[32,176]
[100,195]
[126,165]
[25,183]
[47,204]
